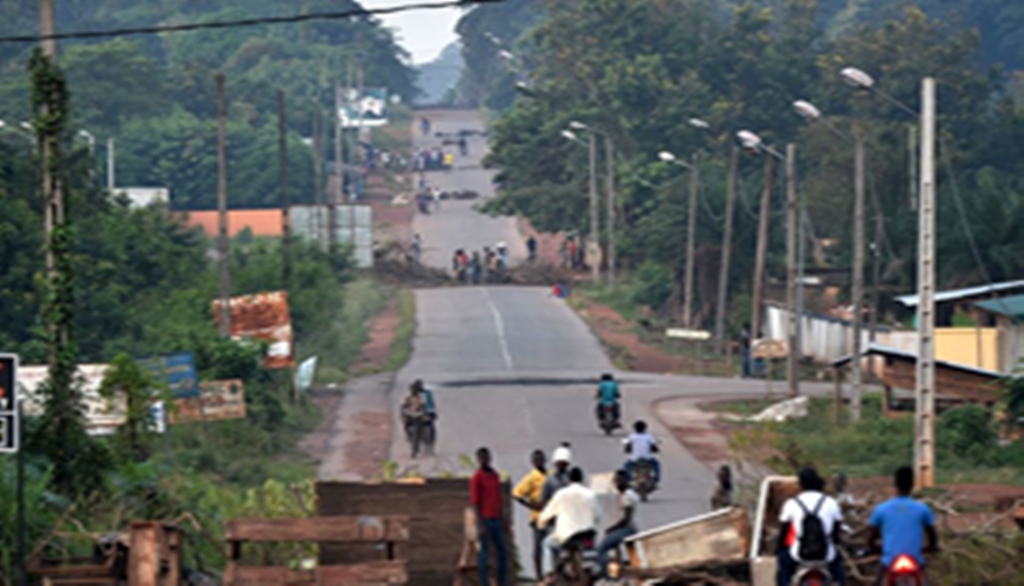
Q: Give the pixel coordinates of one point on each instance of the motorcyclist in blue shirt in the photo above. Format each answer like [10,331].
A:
[608,395]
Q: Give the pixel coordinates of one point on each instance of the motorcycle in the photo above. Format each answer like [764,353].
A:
[608,419]
[420,431]
[577,563]
[904,571]
[812,574]
[643,478]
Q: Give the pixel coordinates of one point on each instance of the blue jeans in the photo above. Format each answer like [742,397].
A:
[612,540]
[655,467]
[493,533]
[788,567]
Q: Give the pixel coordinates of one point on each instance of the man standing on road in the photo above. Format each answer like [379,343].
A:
[810,528]
[529,492]
[900,524]
[574,510]
[626,525]
[531,247]
[485,495]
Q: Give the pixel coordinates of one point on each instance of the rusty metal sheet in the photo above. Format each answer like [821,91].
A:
[217,401]
[263,316]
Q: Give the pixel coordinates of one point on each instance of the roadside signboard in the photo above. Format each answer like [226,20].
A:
[685,334]
[9,417]
[178,371]
[217,401]
[263,316]
[305,374]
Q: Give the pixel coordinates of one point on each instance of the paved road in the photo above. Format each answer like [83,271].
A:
[509,366]
[457,224]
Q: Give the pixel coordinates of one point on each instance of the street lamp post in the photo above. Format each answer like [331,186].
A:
[595,268]
[691,229]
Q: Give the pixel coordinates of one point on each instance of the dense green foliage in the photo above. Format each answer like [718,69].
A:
[637,71]
[155,94]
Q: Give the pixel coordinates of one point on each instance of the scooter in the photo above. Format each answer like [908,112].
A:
[577,563]
[904,571]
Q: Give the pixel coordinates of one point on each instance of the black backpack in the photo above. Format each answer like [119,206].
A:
[813,546]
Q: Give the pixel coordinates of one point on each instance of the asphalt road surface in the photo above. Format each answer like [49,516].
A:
[509,367]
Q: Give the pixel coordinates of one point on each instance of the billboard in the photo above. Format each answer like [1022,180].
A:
[178,371]
[266,317]
[217,401]
[365,111]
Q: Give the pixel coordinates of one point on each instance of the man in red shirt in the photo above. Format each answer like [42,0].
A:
[485,494]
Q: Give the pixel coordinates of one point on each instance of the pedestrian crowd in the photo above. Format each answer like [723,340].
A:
[487,266]
[572,253]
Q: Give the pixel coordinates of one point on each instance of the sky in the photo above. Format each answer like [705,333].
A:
[423,33]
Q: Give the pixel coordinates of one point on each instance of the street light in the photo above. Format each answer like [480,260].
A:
[691,230]
[698,123]
[577,125]
[570,135]
[591,144]
[857,78]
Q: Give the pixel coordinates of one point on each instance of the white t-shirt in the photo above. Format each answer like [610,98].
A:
[574,509]
[640,445]
[829,513]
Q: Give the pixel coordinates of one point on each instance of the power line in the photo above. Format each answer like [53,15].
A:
[245,22]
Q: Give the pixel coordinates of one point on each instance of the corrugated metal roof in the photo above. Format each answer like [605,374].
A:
[954,294]
[1012,306]
[883,350]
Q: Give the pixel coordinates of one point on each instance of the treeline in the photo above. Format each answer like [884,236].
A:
[638,71]
[155,95]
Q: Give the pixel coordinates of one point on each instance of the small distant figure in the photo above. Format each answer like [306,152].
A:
[463,146]
[745,343]
[722,497]
[475,267]
[449,160]
[425,126]
[531,248]
[573,256]
[417,248]
[563,253]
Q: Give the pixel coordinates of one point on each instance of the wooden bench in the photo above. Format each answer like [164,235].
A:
[387,531]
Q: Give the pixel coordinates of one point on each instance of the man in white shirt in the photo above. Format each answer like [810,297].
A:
[795,547]
[574,509]
[641,445]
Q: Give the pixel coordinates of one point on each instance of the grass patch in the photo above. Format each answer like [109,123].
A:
[401,345]
[744,407]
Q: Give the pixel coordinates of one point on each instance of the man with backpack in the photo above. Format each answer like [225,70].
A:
[810,525]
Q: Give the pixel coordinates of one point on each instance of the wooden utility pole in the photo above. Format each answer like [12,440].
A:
[595,269]
[722,305]
[924,415]
[332,211]
[762,245]
[857,293]
[610,152]
[223,244]
[792,278]
[286,228]
[318,178]
[691,237]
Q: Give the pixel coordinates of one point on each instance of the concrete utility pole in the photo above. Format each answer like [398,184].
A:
[762,246]
[111,184]
[723,275]
[595,269]
[691,238]
[876,267]
[357,157]
[857,294]
[332,210]
[318,178]
[53,192]
[286,228]
[610,152]
[223,244]
[792,278]
[924,414]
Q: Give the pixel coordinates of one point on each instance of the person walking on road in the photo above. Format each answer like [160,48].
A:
[485,496]
[528,493]
[531,247]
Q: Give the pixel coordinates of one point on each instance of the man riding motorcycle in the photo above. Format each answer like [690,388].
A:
[418,408]
[641,445]
[809,533]
[575,511]
[900,524]
[608,396]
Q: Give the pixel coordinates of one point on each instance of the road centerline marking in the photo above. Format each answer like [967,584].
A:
[499,325]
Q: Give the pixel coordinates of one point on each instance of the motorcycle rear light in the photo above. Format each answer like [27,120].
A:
[904,564]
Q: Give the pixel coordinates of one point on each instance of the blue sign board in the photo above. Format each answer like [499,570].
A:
[178,371]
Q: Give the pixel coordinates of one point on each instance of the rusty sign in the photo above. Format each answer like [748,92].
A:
[218,400]
[263,316]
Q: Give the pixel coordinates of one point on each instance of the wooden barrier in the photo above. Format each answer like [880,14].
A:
[381,533]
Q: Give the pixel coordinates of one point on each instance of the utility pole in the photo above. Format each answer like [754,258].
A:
[332,211]
[723,275]
[357,159]
[595,270]
[792,229]
[223,244]
[691,237]
[876,268]
[610,152]
[111,185]
[924,414]
[857,295]
[286,228]
[318,178]
[762,245]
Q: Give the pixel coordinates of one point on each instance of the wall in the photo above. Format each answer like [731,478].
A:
[961,346]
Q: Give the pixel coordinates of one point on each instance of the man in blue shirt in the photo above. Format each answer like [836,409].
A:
[608,395]
[901,523]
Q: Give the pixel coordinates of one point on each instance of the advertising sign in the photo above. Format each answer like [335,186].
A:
[263,316]
[178,371]
[9,420]
[367,110]
[218,400]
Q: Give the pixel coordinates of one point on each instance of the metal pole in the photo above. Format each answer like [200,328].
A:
[595,269]
[286,229]
[857,294]
[610,152]
[791,271]
[924,461]
[723,275]
[691,238]
[876,270]
[762,245]
[332,211]
[318,179]
[110,166]
[223,245]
